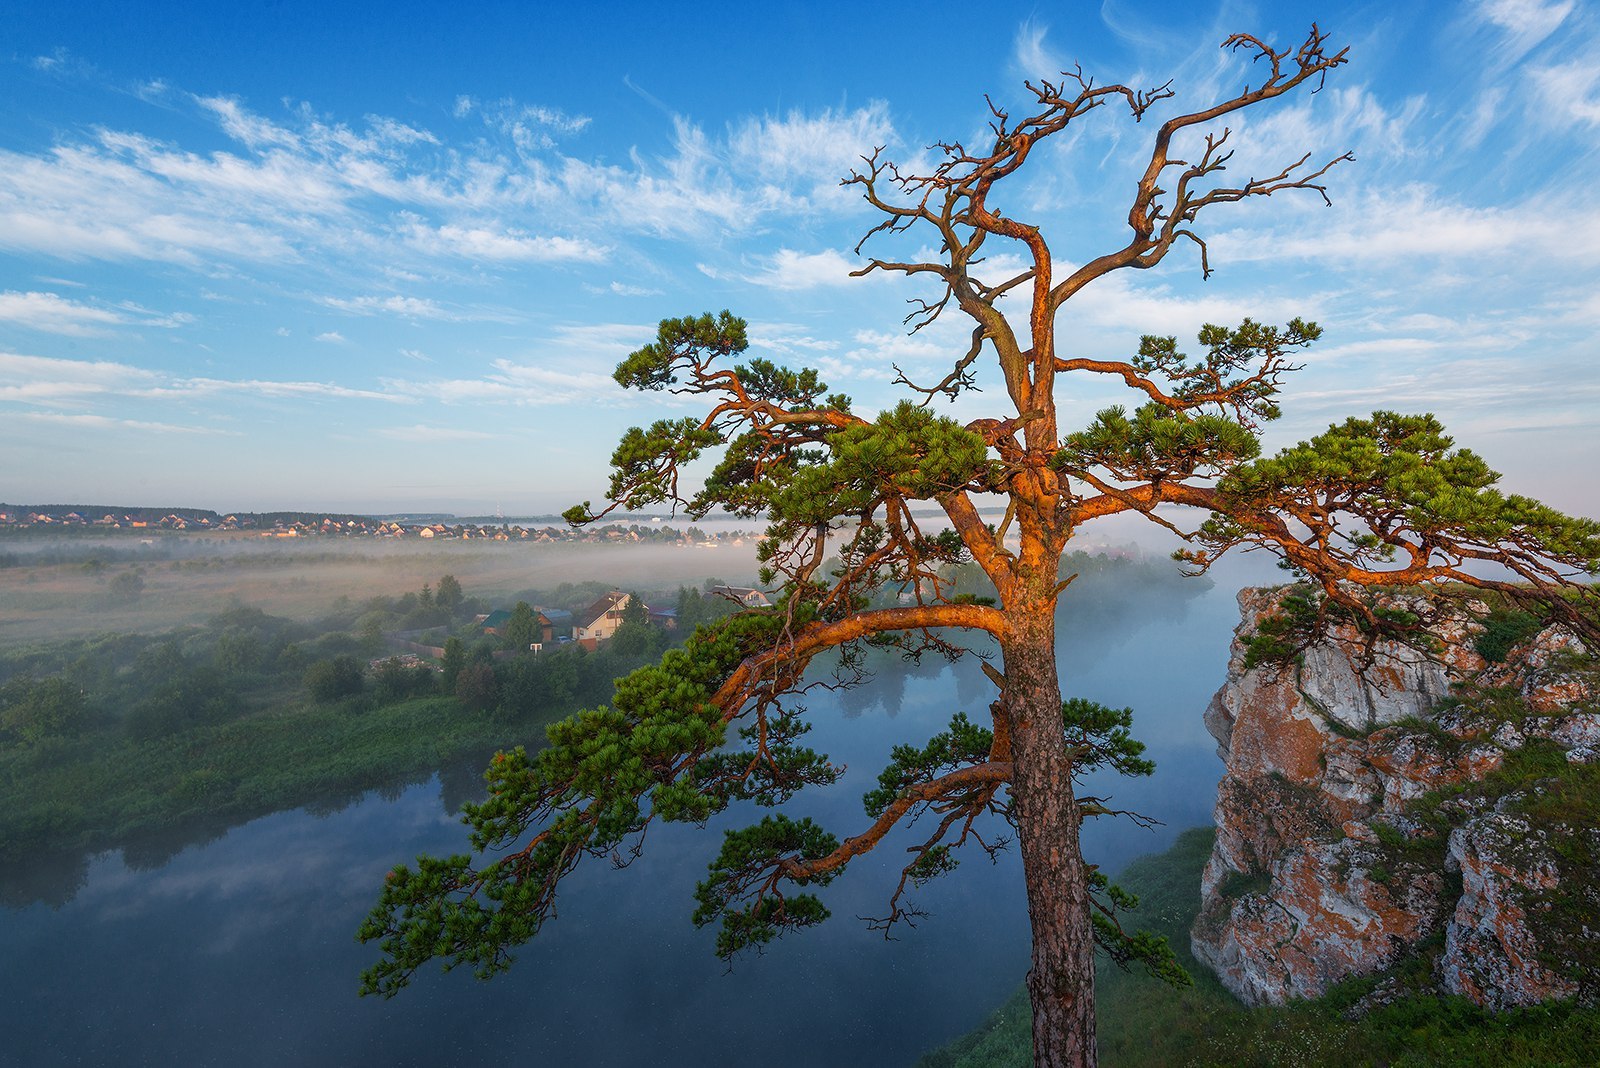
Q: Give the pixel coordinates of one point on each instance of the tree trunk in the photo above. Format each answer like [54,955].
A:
[1061,979]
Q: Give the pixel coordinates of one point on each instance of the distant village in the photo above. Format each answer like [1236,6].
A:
[78,519]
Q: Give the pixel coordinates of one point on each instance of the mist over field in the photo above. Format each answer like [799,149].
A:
[187,578]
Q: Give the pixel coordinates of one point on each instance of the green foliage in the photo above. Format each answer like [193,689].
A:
[175,732]
[1157,443]
[393,681]
[191,696]
[963,744]
[522,629]
[1305,614]
[113,786]
[1390,468]
[749,921]
[1283,633]
[696,608]
[448,594]
[46,708]
[656,365]
[636,611]
[1503,630]
[635,637]
[1101,737]
[451,663]
[335,678]
[476,686]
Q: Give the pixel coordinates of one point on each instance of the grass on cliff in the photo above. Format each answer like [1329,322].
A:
[1144,1022]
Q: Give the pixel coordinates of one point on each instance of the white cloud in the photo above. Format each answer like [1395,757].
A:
[102,422]
[613,339]
[54,314]
[409,307]
[623,289]
[1525,23]
[332,337]
[499,244]
[809,151]
[302,192]
[520,384]
[530,127]
[54,63]
[262,388]
[1032,57]
[1122,309]
[788,269]
[1569,90]
[47,380]
[1416,220]
[420,432]
[787,337]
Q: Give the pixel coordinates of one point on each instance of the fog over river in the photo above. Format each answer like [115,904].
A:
[241,951]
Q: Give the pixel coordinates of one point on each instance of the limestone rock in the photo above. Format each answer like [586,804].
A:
[1493,953]
[1319,873]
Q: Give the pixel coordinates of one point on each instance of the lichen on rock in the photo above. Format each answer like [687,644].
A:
[1340,847]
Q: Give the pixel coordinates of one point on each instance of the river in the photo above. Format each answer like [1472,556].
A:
[240,951]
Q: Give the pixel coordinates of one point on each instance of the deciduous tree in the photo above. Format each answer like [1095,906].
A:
[448,596]
[1373,503]
[522,629]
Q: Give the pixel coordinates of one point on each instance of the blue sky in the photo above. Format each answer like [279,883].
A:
[384,257]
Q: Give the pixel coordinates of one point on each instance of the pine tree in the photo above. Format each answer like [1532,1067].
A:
[1372,504]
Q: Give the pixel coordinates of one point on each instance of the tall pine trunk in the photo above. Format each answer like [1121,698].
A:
[1061,979]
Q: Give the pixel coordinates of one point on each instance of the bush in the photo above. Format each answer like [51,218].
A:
[329,680]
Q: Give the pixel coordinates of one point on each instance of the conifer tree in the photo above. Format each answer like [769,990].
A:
[1372,504]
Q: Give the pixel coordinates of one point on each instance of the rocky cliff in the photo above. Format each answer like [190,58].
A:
[1377,806]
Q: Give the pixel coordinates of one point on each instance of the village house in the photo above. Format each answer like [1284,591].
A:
[495,623]
[745,595]
[600,620]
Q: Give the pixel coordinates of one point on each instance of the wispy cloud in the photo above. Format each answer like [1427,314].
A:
[531,127]
[303,190]
[1571,90]
[625,289]
[55,314]
[83,421]
[188,387]
[332,337]
[422,433]
[509,382]
[1525,23]
[47,380]
[788,269]
[1418,220]
[407,307]
[1031,53]
[44,380]
[497,244]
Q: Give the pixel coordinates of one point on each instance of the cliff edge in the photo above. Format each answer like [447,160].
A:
[1377,806]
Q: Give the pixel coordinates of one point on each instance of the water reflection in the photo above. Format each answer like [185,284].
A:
[240,949]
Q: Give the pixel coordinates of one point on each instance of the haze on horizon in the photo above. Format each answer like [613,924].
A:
[385,261]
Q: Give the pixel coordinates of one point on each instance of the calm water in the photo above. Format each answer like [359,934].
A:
[240,951]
